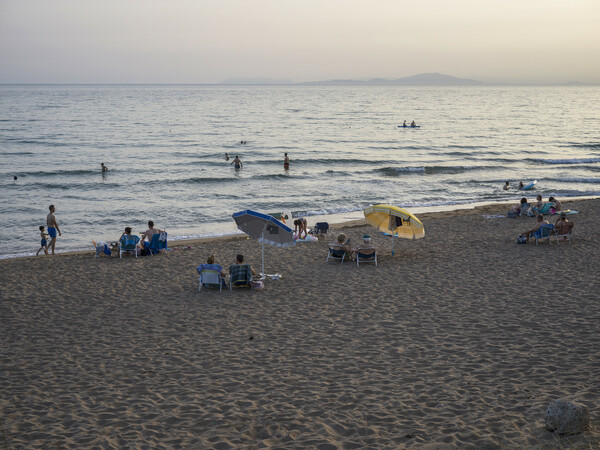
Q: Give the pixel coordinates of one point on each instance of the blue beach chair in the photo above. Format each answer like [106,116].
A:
[546,231]
[158,243]
[128,243]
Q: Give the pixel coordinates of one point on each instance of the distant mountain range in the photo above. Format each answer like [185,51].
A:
[423,79]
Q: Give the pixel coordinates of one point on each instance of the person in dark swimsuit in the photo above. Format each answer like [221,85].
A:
[238,162]
[286,162]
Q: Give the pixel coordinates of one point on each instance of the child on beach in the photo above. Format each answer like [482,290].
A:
[44,242]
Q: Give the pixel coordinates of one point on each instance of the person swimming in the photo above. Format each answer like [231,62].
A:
[103,167]
[506,186]
[286,162]
[226,156]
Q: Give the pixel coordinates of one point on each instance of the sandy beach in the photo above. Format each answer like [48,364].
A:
[459,340]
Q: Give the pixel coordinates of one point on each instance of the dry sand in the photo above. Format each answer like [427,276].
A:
[459,340]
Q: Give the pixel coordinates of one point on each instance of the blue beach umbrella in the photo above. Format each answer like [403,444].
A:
[264,228]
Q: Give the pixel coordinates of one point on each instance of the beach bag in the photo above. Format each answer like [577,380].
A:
[258,285]
[521,239]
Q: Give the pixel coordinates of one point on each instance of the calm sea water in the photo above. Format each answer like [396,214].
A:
[165,147]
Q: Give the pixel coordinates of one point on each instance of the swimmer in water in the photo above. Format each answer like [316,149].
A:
[521,185]
[238,162]
[103,167]
[506,186]
[286,162]
[226,156]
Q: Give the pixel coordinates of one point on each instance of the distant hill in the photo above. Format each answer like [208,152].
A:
[423,79]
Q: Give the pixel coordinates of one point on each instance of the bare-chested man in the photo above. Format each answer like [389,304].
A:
[151,231]
[563,225]
[52,225]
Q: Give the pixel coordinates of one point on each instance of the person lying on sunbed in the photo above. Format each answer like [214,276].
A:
[366,249]
[540,221]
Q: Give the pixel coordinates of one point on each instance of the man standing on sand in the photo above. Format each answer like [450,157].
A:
[52,225]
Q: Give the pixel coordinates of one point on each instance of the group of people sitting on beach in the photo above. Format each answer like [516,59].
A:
[562,226]
[144,241]
[239,273]
[365,249]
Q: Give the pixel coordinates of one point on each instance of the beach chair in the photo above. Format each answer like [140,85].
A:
[209,278]
[240,275]
[564,237]
[128,243]
[545,209]
[336,253]
[158,243]
[366,255]
[545,232]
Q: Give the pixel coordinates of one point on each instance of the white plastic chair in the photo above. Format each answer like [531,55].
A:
[210,277]
[565,237]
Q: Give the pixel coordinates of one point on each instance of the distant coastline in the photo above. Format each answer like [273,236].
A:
[423,79]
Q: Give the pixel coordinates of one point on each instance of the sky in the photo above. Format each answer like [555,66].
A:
[208,41]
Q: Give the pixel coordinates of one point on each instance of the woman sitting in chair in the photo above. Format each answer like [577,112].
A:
[211,266]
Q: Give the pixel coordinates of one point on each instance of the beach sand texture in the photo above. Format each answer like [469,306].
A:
[459,340]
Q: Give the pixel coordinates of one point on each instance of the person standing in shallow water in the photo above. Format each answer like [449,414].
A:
[237,162]
[226,156]
[286,162]
[103,167]
[52,225]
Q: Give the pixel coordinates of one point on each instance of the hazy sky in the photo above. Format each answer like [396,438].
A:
[207,41]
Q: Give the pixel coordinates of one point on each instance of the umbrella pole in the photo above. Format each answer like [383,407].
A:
[392,245]
[263,252]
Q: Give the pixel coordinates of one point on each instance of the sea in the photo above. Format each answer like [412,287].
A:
[165,146]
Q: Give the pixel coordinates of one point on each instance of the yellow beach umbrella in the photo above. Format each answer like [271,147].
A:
[395,222]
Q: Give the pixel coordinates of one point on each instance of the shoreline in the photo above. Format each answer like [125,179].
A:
[341,220]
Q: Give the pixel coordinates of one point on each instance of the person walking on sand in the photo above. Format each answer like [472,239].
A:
[52,225]
[237,161]
[286,162]
[44,242]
